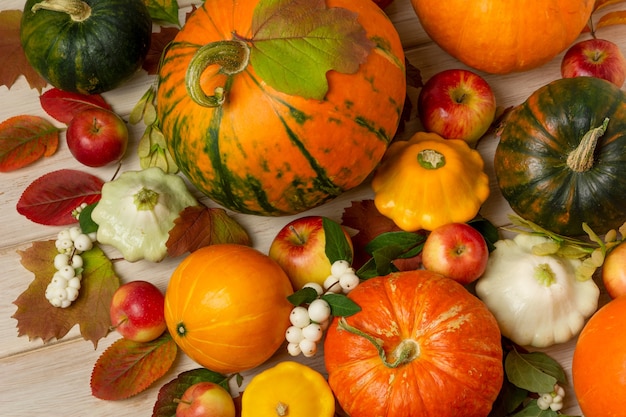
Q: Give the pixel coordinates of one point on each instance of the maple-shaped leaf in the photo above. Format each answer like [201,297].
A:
[163,10]
[169,393]
[25,139]
[199,226]
[127,368]
[37,318]
[51,198]
[158,43]
[13,61]
[64,105]
[296,42]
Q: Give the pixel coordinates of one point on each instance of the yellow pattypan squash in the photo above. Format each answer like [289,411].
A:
[429,181]
[288,389]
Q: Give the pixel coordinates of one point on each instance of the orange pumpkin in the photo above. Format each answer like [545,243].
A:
[422,345]
[266,152]
[500,37]
[599,362]
[226,307]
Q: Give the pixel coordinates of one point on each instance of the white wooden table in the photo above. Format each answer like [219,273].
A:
[53,379]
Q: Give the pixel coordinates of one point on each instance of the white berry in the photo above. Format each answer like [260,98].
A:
[319,310]
[72,293]
[348,281]
[77,261]
[74,232]
[313,332]
[83,243]
[64,245]
[308,347]
[338,268]
[331,284]
[64,235]
[299,317]
[67,272]
[74,283]
[317,287]
[294,349]
[58,281]
[294,334]
[61,260]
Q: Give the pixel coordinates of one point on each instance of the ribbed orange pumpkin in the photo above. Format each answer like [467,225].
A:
[226,307]
[266,152]
[442,348]
[499,36]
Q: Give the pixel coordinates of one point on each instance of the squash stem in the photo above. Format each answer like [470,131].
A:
[78,10]
[581,158]
[232,56]
[404,353]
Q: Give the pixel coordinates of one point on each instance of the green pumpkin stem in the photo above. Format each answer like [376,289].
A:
[405,352]
[581,158]
[78,10]
[232,56]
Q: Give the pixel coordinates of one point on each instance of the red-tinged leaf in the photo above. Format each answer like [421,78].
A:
[50,199]
[64,105]
[166,404]
[611,19]
[127,368]
[199,226]
[604,3]
[13,61]
[38,319]
[158,43]
[26,139]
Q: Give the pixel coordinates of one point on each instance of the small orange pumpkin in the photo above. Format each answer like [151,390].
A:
[599,362]
[422,345]
[500,37]
[226,307]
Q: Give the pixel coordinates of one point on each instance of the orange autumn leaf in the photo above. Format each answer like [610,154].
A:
[604,3]
[612,18]
[24,140]
[127,368]
[13,61]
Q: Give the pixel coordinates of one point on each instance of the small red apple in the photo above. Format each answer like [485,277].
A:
[457,251]
[97,137]
[137,311]
[300,249]
[614,271]
[457,104]
[595,58]
[205,399]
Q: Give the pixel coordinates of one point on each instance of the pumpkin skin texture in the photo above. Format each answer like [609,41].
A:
[501,37]
[539,135]
[226,307]
[455,367]
[598,364]
[268,153]
[91,56]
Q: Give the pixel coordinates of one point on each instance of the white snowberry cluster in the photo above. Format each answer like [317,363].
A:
[308,323]
[552,400]
[65,283]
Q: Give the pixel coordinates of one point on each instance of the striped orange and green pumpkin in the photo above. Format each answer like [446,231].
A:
[553,177]
[266,152]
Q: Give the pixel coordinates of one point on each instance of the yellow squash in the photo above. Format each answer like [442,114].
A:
[429,181]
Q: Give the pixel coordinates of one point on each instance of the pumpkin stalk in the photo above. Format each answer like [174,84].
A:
[404,353]
[78,10]
[581,158]
[231,55]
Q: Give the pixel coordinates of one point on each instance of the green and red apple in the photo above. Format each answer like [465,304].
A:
[137,311]
[457,104]
[457,251]
[598,58]
[614,271]
[205,399]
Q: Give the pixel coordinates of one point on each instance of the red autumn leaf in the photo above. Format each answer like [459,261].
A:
[158,43]
[26,139]
[50,199]
[199,226]
[13,61]
[37,318]
[64,105]
[126,368]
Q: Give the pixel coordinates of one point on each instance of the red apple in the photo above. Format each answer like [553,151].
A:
[137,311]
[205,399]
[456,250]
[457,104]
[595,58]
[97,137]
[300,249]
[614,271]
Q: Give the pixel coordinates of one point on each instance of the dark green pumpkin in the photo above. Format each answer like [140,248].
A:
[87,56]
[531,159]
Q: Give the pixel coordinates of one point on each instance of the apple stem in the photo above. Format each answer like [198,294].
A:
[180,400]
[295,232]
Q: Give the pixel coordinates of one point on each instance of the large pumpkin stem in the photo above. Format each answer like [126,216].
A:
[404,353]
[581,158]
[77,9]
[232,56]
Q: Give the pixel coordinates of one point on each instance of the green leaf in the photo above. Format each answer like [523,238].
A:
[87,225]
[535,371]
[341,305]
[296,42]
[533,410]
[163,10]
[405,241]
[337,246]
[302,296]
[488,230]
